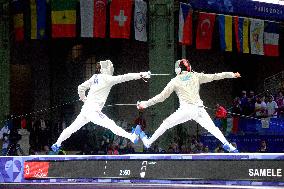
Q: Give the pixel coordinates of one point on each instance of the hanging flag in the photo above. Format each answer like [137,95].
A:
[185,24]
[225,29]
[241,34]
[38,19]
[140,20]
[271,39]
[18,20]
[120,17]
[256,36]
[63,18]
[93,18]
[205,30]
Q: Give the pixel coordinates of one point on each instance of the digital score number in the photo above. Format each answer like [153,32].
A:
[125,172]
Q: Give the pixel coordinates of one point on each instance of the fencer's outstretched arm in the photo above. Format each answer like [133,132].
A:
[205,78]
[158,98]
[127,77]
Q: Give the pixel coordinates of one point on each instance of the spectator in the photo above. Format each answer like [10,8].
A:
[175,147]
[122,143]
[221,118]
[170,150]
[252,96]
[271,107]
[113,149]
[206,149]
[140,120]
[280,104]
[185,149]
[263,147]
[234,144]
[156,148]
[108,137]
[47,151]
[199,148]
[32,151]
[251,106]
[219,149]
[244,103]
[236,110]
[4,135]
[129,149]
[260,107]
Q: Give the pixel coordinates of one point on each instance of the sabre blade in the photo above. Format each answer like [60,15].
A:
[161,74]
[121,105]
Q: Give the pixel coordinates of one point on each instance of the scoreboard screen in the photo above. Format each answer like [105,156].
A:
[253,170]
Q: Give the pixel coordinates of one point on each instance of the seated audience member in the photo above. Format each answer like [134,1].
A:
[206,149]
[113,149]
[140,120]
[236,111]
[271,107]
[263,147]
[280,104]
[244,103]
[129,148]
[260,107]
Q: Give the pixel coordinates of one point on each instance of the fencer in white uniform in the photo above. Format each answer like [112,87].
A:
[99,86]
[186,85]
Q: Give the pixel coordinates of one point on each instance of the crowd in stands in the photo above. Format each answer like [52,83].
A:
[41,133]
[260,106]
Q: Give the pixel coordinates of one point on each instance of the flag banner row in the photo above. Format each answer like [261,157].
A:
[92,18]
[253,36]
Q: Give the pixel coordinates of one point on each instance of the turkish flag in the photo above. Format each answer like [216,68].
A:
[205,30]
[120,18]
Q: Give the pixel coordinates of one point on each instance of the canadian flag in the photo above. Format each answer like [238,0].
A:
[120,18]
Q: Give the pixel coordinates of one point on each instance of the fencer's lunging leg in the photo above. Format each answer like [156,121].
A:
[206,122]
[178,117]
[79,122]
[101,119]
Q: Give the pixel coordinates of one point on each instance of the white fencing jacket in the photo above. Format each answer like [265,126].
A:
[187,85]
[100,86]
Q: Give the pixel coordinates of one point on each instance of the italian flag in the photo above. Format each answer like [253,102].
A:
[63,18]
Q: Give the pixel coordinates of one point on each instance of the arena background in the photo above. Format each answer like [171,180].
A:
[36,75]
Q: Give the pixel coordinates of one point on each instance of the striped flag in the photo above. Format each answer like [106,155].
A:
[225,29]
[93,18]
[18,20]
[63,18]
[38,19]
[241,34]
[271,39]
[256,36]
[140,20]
[185,24]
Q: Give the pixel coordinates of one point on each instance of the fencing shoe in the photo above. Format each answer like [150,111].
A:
[145,140]
[55,148]
[136,133]
[230,148]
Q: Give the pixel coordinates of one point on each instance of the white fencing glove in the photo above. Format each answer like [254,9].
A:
[141,105]
[146,75]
